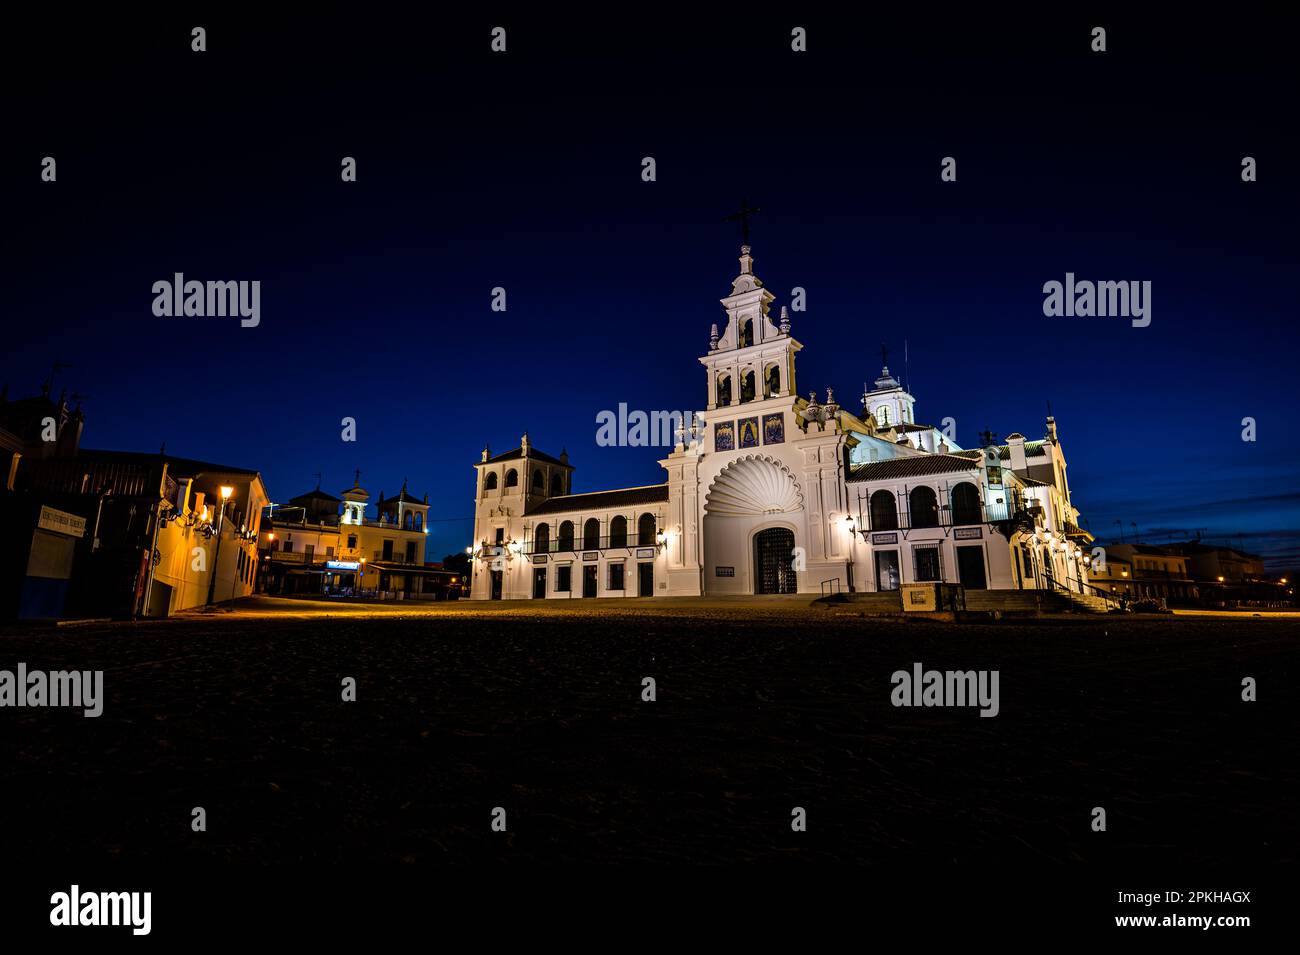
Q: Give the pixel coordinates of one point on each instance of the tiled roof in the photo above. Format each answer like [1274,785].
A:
[187,467]
[403,496]
[316,495]
[1033,449]
[595,500]
[518,453]
[917,466]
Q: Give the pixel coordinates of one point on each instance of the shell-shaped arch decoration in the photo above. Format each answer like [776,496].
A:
[755,484]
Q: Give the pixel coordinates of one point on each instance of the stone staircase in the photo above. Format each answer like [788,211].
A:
[1085,603]
[981,601]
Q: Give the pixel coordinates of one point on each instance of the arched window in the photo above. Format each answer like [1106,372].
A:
[724,389]
[618,532]
[539,480]
[884,512]
[490,482]
[408,521]
[542,539]
[645,530]
[747,386]
[773,380]
[566,536]
[965,504]
[591,534]
[882,415]
[925,507]
[419,521]
[557,483]
[512,478]
[746,333]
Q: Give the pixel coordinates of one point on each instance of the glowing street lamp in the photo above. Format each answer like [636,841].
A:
[226,492]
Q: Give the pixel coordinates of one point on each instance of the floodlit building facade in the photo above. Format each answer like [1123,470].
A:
[770,492]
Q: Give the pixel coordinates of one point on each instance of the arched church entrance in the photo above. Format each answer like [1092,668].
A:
[774,561]
[753,515]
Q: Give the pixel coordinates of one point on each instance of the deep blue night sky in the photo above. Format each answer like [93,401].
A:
[523,171]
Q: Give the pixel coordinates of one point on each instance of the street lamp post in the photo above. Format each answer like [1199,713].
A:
[226,491]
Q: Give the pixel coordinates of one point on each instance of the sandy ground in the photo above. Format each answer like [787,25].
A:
[763,705]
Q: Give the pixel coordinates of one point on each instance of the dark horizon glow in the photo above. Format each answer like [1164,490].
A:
[523,171]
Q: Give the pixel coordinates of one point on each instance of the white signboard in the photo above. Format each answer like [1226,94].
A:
[61,522]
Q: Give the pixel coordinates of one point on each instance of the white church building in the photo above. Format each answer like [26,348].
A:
[768,492]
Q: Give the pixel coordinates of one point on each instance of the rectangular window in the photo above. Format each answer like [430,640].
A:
[329,551]
[410,552]
[311,551]
[352,542]
[616,576]
[501,535]
[563,578]
[288,547]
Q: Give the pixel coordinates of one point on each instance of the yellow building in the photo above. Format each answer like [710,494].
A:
[321,544]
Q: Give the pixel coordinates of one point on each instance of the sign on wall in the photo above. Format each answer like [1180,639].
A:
[646,552]
[61,522]
[919,598]
[724,571]
[884,538]
[968,533]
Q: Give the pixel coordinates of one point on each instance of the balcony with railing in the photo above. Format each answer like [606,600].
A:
[564,545]
[877,518]
[396,558]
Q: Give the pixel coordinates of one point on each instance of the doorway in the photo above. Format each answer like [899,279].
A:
[970,568]
[887,577]
[539,583]
[496,585]
[645,580]
[589,581]
[774,571]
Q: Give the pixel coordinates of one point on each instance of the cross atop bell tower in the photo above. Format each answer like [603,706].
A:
[743,218]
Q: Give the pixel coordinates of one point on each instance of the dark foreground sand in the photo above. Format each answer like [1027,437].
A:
[760,708]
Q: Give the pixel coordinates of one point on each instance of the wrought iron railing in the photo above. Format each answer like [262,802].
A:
[903,519]
[562,545]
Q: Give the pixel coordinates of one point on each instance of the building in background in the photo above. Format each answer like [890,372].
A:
[1146,571]
[321,544]
[95,533]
